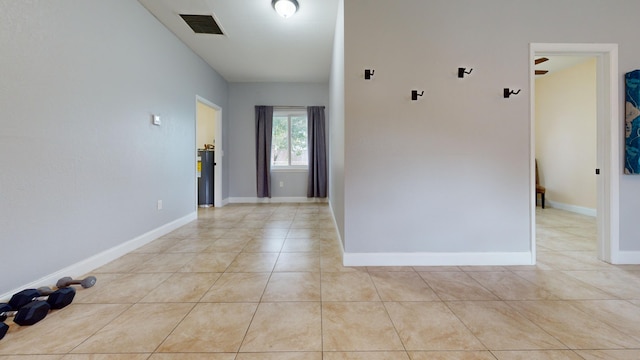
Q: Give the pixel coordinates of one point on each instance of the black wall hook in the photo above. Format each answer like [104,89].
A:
[462,71]
[368,74]
[508,92]
[414,94]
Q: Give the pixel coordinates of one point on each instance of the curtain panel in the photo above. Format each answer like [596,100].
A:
[264,124]
[317,181]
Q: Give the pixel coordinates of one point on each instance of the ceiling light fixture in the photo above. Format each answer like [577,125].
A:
[286,8]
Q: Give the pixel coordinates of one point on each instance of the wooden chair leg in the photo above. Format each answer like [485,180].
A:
[542,199]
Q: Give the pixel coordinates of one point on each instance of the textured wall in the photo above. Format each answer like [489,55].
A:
[243,97]
[81,166]
[450,172]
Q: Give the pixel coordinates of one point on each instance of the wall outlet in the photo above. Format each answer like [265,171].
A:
[159,204]
[281,183]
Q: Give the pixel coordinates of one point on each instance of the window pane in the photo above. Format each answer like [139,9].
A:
[299,154]
[280,142]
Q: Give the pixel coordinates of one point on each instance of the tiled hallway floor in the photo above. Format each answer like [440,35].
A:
[249,282]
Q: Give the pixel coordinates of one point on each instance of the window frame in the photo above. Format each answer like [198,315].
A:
[289,113]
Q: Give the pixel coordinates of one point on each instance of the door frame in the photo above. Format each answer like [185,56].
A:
[219,153]
[608,141]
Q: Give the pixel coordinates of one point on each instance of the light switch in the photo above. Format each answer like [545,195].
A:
[156,120]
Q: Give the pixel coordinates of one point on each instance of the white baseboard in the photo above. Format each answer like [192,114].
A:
[105,257]
[573,208]
[626,258]
[431,259]
[275,200]
[437,259]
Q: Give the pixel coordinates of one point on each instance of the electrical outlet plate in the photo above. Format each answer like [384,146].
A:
[156,120]
[159,204]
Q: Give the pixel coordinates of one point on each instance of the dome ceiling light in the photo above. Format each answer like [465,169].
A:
[285,8]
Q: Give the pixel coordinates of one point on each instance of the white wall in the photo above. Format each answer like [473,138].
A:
[81,165]
[450,173]
[566,113]
[336,143]
[243,97]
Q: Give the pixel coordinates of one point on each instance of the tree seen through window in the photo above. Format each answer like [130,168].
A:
[289,140]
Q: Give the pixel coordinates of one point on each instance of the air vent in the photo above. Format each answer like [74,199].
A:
[202,24]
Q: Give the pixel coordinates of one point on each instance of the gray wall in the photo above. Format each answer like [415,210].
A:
[450,172]
[81,166]
[243,97]
[336,149]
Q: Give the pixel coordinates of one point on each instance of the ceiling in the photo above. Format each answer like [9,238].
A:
[560,62]
[258,45]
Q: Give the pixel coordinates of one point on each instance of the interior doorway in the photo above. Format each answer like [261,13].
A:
[208,125]
[565,109]
[607,148]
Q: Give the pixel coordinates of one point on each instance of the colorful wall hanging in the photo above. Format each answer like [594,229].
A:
[632,123]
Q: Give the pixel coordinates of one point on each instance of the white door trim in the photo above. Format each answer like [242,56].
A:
[608,147]
[217,170]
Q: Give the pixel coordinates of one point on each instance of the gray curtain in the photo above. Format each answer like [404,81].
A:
[317,183]
[264,123]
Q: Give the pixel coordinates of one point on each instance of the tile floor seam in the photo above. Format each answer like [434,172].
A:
[537,287]
[98,330]
[606,291]
[466,326]
[246,332]
[498,297]
[432,289]
[386,310]
[173,329]
[482,286]
[535,324]
[610,323]
[321,312]
[429,286]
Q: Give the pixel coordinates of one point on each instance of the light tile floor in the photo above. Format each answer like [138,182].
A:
[249,282]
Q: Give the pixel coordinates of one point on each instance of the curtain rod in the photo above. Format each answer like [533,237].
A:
[291,106]
[288,107]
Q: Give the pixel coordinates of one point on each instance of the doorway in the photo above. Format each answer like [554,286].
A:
[607,147]
[209,132]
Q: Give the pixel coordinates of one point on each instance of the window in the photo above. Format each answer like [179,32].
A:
[289,139]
